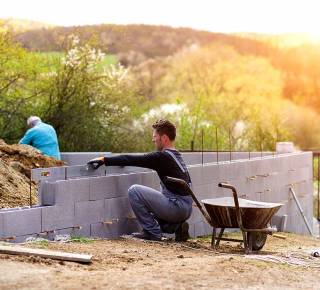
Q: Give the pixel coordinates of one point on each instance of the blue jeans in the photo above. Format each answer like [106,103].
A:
[149,205]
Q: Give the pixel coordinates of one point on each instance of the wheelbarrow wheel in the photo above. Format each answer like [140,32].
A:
[258,239]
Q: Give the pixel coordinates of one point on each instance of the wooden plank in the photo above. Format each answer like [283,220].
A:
[17,250]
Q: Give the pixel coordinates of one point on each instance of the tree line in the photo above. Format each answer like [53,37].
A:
[243,91]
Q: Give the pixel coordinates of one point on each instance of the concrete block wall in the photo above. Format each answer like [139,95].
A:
[98,206]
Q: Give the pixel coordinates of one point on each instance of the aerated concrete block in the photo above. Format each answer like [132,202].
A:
[22,239]
[195,172]
[280,221]
[1,226]
[46,192]
[49,174]
[201,229]
[115,229]
[191,229]
[57,217]
[73,190]
[196,216]
[65,192]
[150,179]
[103,187]
[81,158]
[21,222]
[83,171]
[117,208]
[191,158]
[123,182]
[87,212]
[80,230]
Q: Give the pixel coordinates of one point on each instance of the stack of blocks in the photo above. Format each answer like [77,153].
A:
[98,205]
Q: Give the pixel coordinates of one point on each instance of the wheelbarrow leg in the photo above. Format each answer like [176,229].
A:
[245,242]
[219,237]
[213,242]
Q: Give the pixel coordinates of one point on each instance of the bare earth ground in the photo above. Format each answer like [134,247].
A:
[133,264]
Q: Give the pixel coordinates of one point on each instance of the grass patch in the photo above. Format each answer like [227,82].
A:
[81,239]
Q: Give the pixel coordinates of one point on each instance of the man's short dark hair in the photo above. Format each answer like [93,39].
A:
[165,127]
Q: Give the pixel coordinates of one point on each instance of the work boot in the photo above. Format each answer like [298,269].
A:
[144,235]
[182,232]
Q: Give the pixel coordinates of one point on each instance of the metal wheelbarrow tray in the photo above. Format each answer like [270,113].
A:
[251,217]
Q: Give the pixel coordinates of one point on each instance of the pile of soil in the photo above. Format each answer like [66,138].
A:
[16,162]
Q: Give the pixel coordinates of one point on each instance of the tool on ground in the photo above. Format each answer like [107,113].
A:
[16,250]
[300,210]
[252,217]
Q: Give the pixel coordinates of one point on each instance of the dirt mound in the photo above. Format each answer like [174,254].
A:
[16,162]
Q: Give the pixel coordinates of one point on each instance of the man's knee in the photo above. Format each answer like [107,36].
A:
[134,191]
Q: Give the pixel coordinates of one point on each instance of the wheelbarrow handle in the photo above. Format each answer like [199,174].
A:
[226,185]
[188,190]
[236,201]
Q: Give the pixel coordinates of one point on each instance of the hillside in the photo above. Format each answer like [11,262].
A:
[22,25]
[148,40]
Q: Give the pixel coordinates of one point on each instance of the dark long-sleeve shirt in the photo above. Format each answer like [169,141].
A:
[163,162]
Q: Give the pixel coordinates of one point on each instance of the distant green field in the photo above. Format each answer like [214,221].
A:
[50,59]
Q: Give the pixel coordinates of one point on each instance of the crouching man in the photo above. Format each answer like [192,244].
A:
[165,211]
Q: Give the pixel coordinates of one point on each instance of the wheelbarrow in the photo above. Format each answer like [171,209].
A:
[251,217]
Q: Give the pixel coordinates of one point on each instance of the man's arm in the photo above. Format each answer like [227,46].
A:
[27,138]
[150,160]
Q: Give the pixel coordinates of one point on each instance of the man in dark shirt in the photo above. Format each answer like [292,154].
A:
[164,211]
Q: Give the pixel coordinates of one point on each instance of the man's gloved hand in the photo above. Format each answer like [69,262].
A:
[96,162]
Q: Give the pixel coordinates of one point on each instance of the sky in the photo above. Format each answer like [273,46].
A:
[228,16]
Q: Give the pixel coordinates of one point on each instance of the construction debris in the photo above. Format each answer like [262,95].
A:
[16,250]
[16,162]
[290,258]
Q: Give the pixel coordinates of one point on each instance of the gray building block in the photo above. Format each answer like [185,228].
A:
[64,192]
[103,187]
[80,158]
[150,179]
[80,230]
[84,171]
[191,229]
[280,221]
[1,226]
[115,229]
[57,217]
[124,181]
[49,174]
[196,216]
[21,222]
[201,229]
[22,239]
[87,212]
[72,190]
[46,192]
[99,230]
[117,208]
[111,170]
[195,172]
[210,172]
